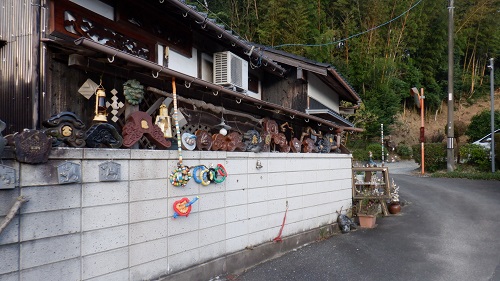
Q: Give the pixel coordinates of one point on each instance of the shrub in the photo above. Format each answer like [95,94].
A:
[404,151]
[434,156]
[480,124]
[475,155]
[376,149]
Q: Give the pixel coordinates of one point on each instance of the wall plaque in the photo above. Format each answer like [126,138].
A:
[109,171]
[7,177]
[69,172]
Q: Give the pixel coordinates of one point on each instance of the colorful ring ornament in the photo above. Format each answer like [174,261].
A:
[195,173]
[221,174]
[183,207]
[205,178]
[180,176]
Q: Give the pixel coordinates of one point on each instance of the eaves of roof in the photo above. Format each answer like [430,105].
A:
[166,72]
[313,66]
[256,58]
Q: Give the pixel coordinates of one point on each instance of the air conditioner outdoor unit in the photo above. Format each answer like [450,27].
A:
[230,71]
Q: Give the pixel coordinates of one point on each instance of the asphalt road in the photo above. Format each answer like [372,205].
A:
[449,229]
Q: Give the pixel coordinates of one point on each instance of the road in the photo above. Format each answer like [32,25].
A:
[449,229]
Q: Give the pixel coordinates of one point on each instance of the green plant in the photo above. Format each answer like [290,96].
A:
[376,149]
[404,151]
[480,124]
[476,155]
[368,206]
[434,156]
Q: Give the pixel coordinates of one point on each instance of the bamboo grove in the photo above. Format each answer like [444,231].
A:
[393,45]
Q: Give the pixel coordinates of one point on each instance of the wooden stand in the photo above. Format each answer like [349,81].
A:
[373,183]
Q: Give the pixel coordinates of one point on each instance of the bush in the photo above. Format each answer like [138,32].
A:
[376,149]
[434,156]
[363,154]
[480,125]
[404,151]
[475,155]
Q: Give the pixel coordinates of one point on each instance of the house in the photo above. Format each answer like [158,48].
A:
[103,212]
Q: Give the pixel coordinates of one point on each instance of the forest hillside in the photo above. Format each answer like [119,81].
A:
[382,47]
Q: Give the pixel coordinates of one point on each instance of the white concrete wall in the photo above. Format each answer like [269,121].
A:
[124,230]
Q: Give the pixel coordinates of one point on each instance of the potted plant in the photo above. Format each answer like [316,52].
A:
[394,206]
[367,212]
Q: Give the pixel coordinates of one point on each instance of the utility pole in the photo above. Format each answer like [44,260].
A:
[492,95]
[419,101]
[450,141]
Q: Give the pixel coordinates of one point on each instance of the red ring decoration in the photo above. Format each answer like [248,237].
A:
[221,170]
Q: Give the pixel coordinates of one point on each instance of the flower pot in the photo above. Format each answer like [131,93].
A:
[367,221]
[394,208]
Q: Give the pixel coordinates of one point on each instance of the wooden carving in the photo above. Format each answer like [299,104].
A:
[266,141]
[138,124]
[280,140]
[219,142]
[295,145]
[66,129]
[308,145]
[203,140]
[235,142]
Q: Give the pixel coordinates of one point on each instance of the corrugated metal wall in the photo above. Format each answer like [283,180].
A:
[18,63]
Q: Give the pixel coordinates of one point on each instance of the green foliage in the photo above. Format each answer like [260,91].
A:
[363,153]
[480,125]
[384,63]
[404,151]
[434,156]
[476,155]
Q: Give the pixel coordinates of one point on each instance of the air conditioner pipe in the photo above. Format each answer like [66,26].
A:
[210,25]
[158,69]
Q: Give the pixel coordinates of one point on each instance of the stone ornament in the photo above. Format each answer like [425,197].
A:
[69,172]
[32,147]
[66,129]
[103,134]
[138,124]
[7,177]
[253,141]
[109,171]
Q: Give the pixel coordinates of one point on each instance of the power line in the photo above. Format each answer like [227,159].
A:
[352,36]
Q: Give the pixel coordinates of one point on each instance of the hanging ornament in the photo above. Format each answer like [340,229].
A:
[181,175]
[88,88]
[115,105]
[163,121]
[133,91]
[100,104]
[183,207]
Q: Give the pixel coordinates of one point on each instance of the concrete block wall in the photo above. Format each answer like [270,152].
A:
[124,230]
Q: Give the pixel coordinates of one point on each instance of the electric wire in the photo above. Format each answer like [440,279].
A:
[327,43]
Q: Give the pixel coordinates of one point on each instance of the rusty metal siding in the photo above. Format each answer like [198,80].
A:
[18,62]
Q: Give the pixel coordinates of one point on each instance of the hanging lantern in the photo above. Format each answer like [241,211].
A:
[163,121]
[100,105]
